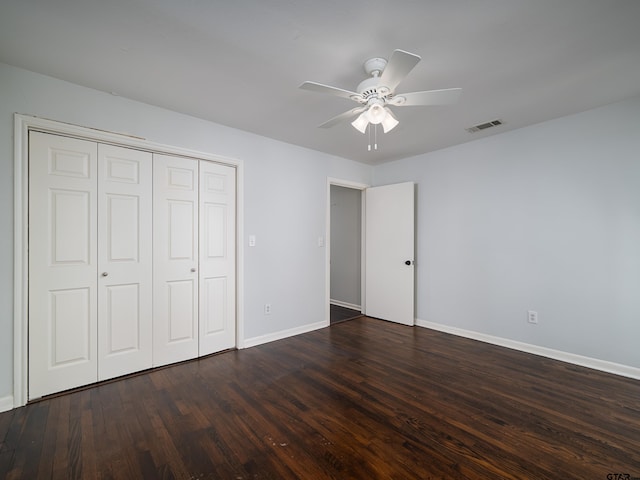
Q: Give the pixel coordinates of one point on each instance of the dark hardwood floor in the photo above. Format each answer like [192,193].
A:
[340,314]
[363,399]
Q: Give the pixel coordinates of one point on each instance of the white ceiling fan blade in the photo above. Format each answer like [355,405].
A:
[446,96]
[343,117]
[398,67]
[320,88]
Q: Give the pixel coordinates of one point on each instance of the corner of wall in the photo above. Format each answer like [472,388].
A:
[6,403]
[593,363]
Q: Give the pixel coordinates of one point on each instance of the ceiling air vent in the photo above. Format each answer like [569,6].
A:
[484,126]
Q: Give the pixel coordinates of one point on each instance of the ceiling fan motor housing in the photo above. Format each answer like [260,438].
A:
[371,87]
[368,87]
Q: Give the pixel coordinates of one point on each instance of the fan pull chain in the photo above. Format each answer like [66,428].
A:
[375,136]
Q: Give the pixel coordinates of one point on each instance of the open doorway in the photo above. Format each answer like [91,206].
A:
[345,253]
[386,267]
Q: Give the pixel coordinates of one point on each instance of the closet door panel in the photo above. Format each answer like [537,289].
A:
[125,280]
[217,257]
[175,259]
[69,324]
[180,225]
[122,324]
[62,263]
[180,300]
[214,308]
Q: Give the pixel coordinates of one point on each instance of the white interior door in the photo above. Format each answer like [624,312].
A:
[389,252]
[217,258]
[62,263]
[124,261]
[175,259]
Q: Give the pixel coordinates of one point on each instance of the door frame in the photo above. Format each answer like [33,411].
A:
[23,124]
[355,186]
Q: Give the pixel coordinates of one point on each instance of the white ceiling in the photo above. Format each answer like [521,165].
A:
[239,63]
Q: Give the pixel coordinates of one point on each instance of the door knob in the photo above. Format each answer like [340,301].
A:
[193,269]
[104,274]
[408,262]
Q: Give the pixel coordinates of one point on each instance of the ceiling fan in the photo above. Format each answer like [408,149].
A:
[376,93]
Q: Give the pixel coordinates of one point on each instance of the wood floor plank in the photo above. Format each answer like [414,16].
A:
[360,399]
[339,314]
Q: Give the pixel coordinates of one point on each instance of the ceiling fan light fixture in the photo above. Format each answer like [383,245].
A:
[361,122]
[389,122]
[376,113]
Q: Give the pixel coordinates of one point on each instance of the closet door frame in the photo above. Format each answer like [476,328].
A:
[23,124]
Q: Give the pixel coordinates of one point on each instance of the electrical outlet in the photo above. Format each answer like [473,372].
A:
[532,317]
[267,309]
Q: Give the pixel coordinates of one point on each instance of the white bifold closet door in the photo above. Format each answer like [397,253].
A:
[90,270]
[125,275]
[194,258]
[132,261]
[63,267]
[217,258]
[175,259]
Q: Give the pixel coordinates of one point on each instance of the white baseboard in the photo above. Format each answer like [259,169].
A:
[340,303]
[6,403]
[594,363]
[272,337]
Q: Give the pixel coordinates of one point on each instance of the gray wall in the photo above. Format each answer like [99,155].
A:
[285,189]
[543,218]
[346,242]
